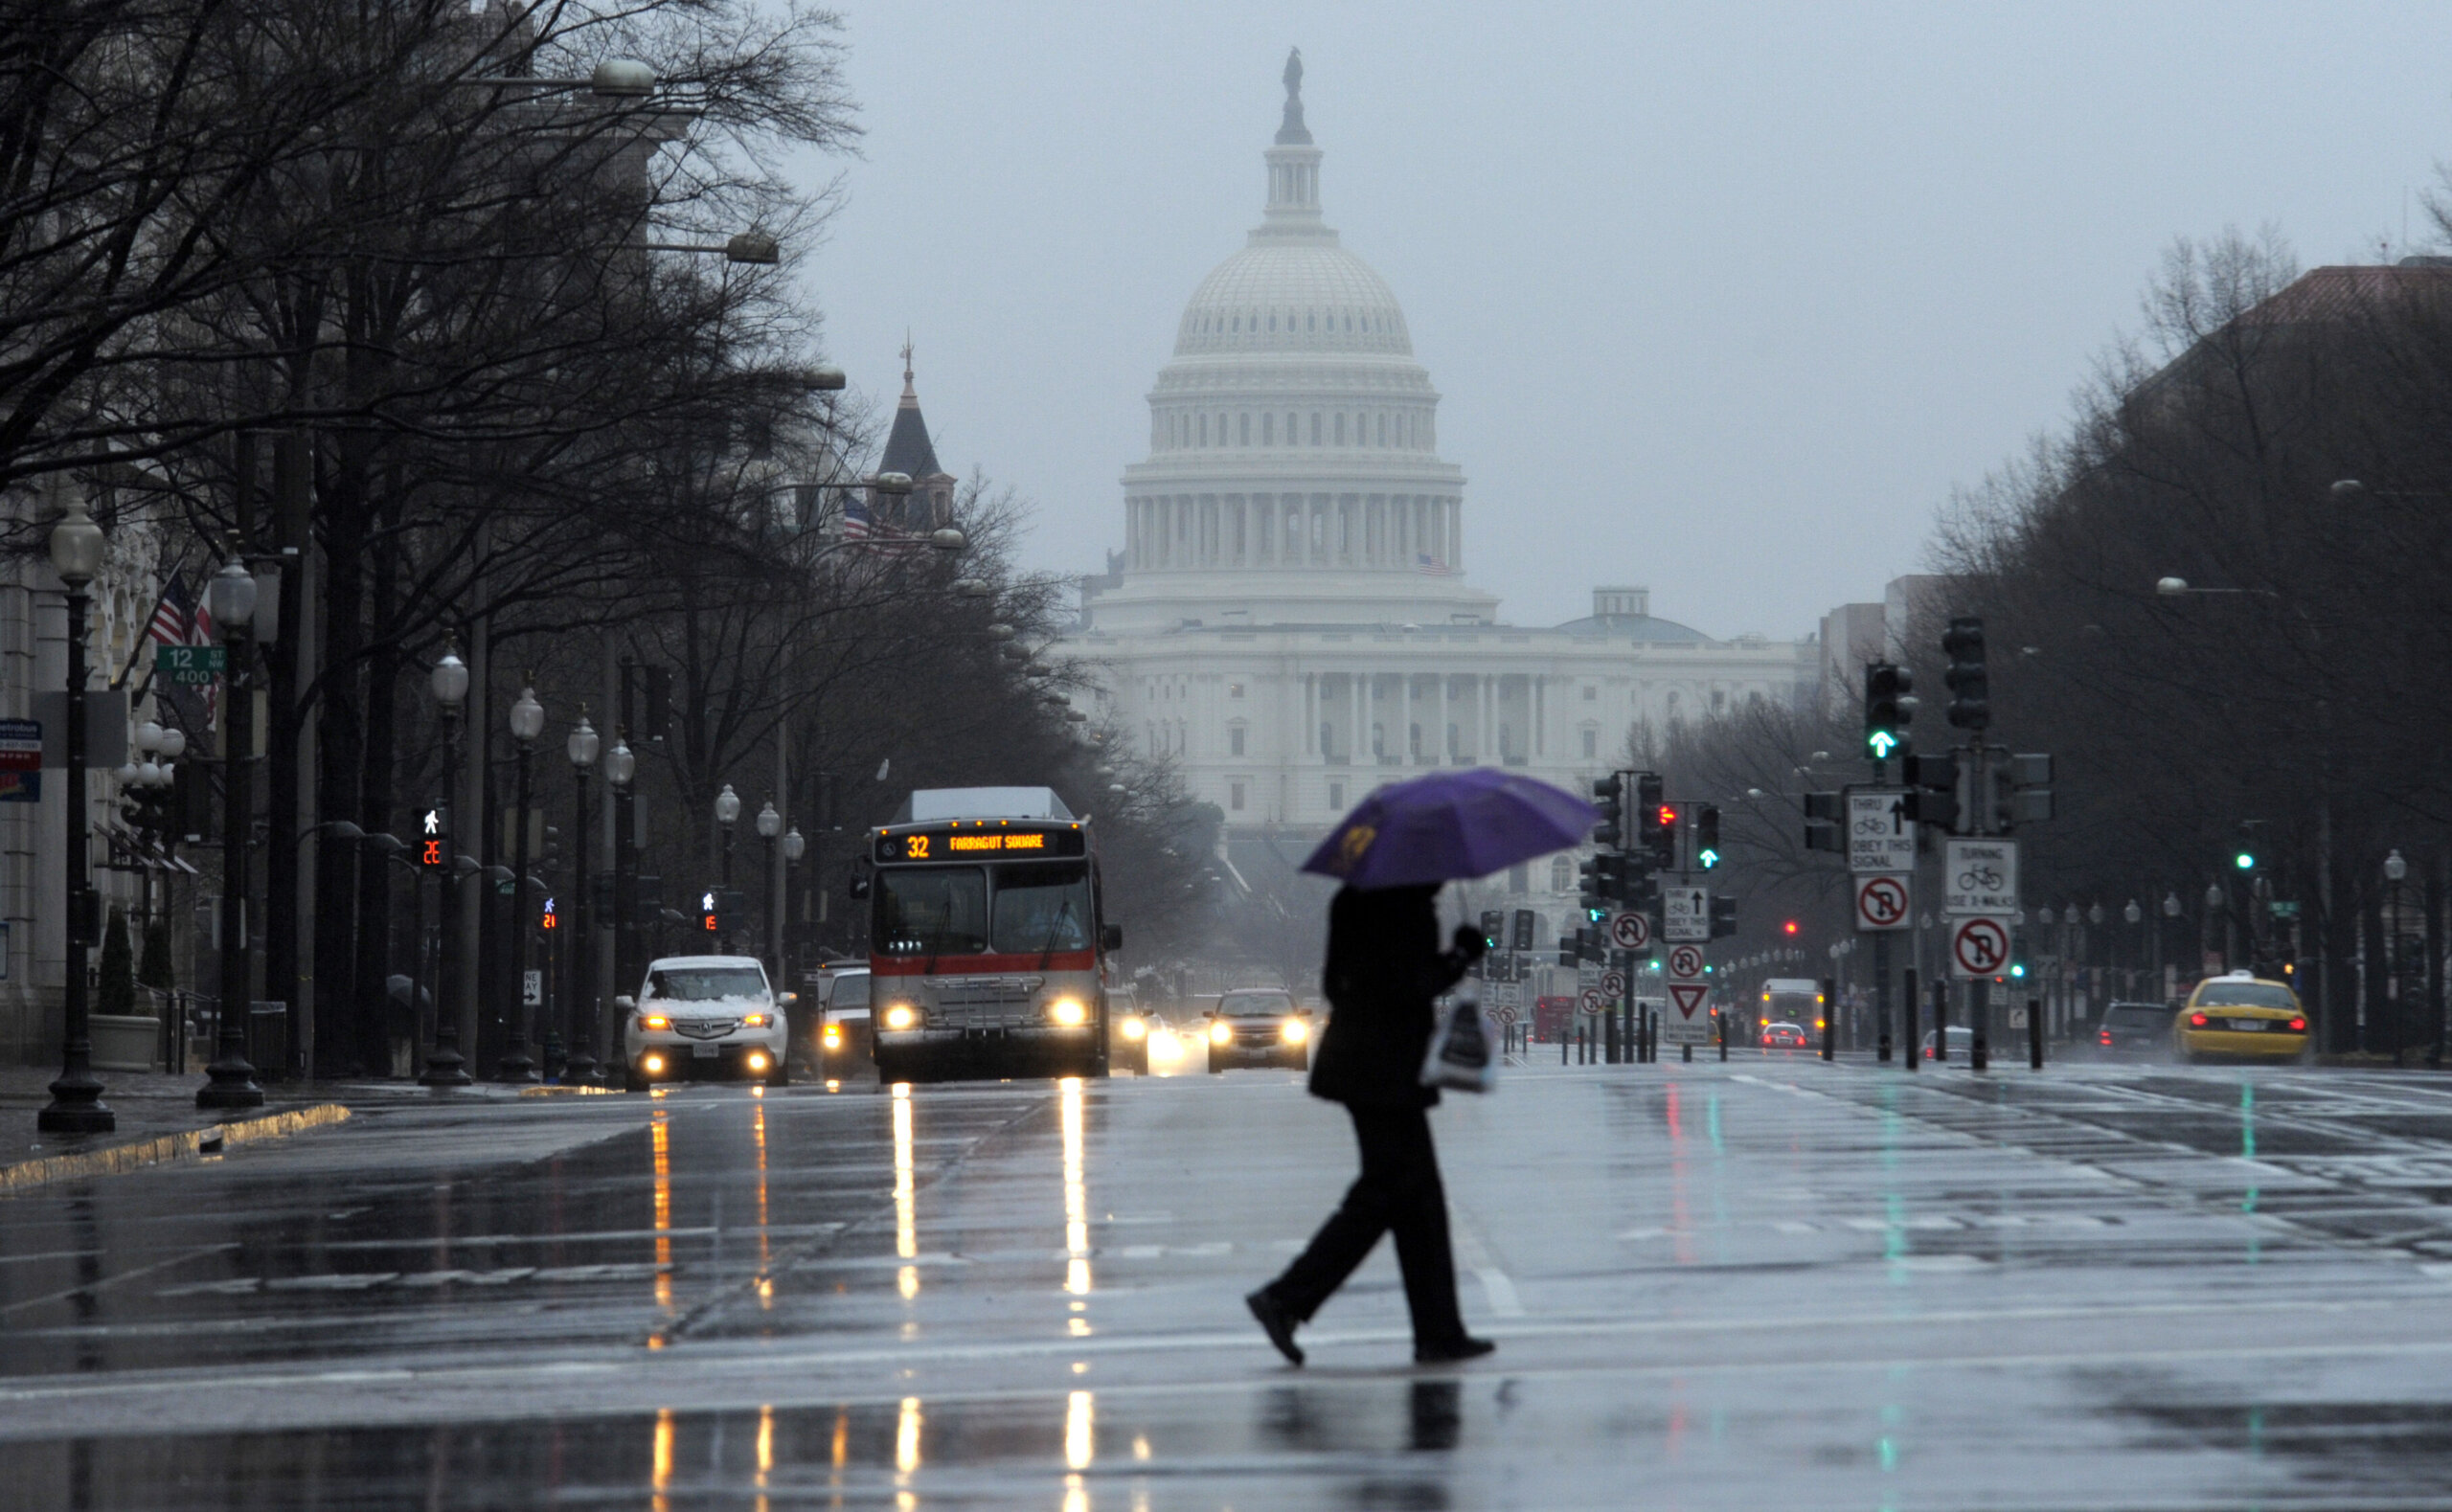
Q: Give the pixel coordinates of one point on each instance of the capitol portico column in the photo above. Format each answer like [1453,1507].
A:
[1357,744]
[1405,756]
[1444,754]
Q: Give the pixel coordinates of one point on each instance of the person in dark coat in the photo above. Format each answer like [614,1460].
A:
[1384,969]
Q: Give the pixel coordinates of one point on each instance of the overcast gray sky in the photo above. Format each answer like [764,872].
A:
[1722,299]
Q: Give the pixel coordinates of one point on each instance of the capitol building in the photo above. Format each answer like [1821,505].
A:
[1289,620]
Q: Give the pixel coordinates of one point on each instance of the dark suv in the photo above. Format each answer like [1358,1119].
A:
[2135,1030]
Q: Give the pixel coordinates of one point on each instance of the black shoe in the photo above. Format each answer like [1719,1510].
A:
[1276,1321]
[1464,1346]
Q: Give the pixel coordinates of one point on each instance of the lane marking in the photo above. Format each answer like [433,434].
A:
[1496,1287]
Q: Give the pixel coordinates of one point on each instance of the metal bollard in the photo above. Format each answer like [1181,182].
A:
[1907,1008]
[1940,1023]
[2034,1035]
[1829,1016]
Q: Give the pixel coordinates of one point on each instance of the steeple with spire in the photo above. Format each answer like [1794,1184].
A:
[909,451]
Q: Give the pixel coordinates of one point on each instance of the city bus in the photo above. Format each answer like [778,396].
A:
[987,942]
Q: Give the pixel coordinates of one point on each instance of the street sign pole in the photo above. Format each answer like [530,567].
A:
[1881,993]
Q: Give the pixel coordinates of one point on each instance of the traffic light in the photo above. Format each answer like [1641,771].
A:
[1609,796]
[711,918]
[1494,925]
[1588,882]
[1888,710]
[433,844]
[1723,917]
[1523,939]
[1970,688]
[1824,813]
[1609,870]
[1663,818]
[1789,929]
[1706,836]
[1932,793]
[1568,948]
[1650,798]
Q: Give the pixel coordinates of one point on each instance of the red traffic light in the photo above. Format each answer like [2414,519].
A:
[1667,813]
[1788,928]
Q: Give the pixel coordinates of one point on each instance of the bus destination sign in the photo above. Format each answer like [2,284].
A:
[965,845]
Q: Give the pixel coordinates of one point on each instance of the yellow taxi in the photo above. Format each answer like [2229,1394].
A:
[2240,1015]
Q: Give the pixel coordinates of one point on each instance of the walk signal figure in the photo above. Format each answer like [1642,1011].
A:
[1888,708]
[1970,687]
[710,918]
[430,849]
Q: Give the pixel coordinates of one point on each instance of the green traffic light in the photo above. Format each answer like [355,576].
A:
[2244,862]
[2017,969]
[1881,743]
[1709,858]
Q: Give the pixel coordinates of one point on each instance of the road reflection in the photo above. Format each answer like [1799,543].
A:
[1076,1205]
[906,1210]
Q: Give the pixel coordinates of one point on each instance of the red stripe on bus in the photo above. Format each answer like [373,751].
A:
[978,966]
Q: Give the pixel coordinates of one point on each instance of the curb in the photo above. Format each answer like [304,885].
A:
[188,1145]
[580,1091]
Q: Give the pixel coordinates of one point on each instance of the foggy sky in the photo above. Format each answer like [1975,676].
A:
[1721,300]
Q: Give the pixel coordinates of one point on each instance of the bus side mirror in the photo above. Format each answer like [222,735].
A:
[1111,937]
[859,887]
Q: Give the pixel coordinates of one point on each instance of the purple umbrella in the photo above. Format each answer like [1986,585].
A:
[1450,825]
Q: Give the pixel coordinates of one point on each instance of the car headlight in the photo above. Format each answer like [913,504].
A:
[901,1016]
[834,1037]
[654,1021]
[1295,1031]
[756,1021]
[756,1060]
[1221,1032]
[1067,1012]
[1132,1029]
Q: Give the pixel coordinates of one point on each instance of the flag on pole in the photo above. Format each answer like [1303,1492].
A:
[1430,566]
[172,615]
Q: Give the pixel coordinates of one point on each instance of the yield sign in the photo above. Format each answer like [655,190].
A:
[1687,997]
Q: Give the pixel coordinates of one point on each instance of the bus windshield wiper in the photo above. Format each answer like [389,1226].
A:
[1055,928]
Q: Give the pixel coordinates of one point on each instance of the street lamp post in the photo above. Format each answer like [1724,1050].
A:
[794,847]
[445,1066]
[231,596]
[620,764]
[727,813]
[580,950]
[527,723]
[2396,871]
[2135,915]
[771,828]
[75,1105]
[2213,914]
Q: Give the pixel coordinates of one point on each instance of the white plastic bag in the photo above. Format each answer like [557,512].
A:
[1462,1054]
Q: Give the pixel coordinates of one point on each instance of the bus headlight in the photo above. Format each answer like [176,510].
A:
[1221,1032]
[1295,1031]
[1067,1012]
[1132,1029]
[901,1016]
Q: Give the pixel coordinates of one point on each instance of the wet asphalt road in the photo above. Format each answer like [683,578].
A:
[1773,1283]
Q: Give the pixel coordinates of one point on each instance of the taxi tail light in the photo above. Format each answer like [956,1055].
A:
[2197,1021]
[2106,1037]
[2299,1025]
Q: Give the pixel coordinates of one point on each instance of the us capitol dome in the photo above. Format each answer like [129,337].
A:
[1289,621]
[1293,469]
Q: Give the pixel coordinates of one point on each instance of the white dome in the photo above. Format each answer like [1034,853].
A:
[1306,296]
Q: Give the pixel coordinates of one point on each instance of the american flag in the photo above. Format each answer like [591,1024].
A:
[857,521]
[1430,566]
[171,616]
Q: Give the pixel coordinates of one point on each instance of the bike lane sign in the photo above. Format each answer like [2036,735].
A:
[1879,836]
[1980,876]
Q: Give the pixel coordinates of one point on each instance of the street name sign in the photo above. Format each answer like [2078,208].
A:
[189,664]
[1630,930]
[1979,946]
[1980,876]
[1880,837]
[1685,915]
[1882,903]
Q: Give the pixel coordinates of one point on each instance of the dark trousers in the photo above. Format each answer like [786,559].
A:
[1399,1190]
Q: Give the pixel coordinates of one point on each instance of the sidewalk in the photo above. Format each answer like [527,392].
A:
[158,1120]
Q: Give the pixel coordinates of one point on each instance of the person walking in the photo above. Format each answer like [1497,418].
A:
[1384,971]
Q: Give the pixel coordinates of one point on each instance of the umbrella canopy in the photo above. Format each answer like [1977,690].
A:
[1450,825]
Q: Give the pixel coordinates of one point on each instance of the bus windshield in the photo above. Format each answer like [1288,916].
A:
[1043,906]
[935,911]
